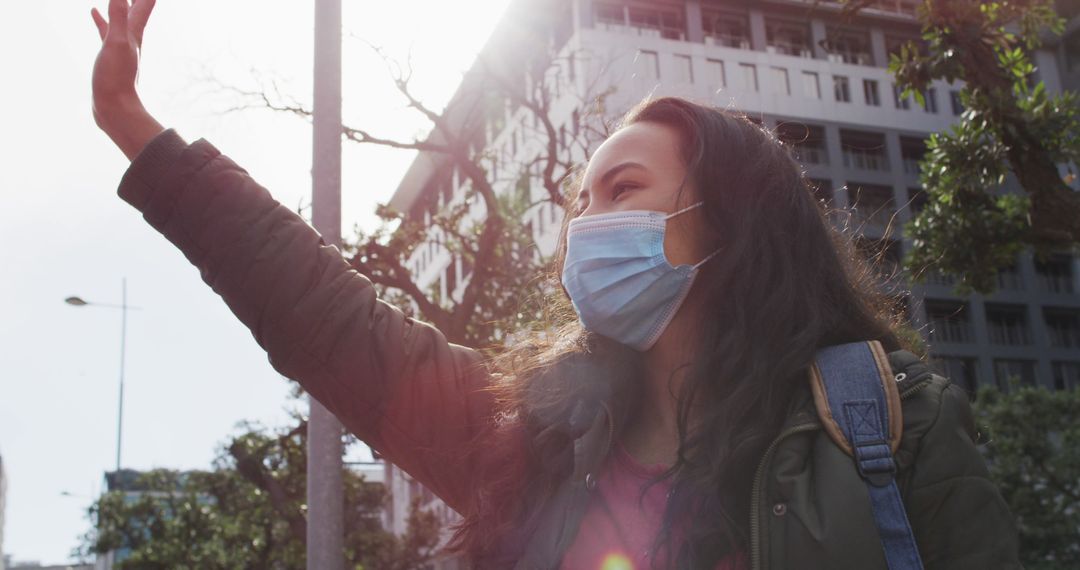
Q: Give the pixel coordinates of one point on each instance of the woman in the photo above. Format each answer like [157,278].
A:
[671,428]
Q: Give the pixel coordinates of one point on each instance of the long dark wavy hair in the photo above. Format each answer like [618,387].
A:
[786,283]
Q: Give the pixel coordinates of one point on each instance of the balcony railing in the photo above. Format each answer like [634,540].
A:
[811,155]
[865,160]
[785,48]
[950,330]
[732,41]
[647,32]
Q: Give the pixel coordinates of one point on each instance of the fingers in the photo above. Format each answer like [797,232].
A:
[140,13]
[118,16]
[99,21]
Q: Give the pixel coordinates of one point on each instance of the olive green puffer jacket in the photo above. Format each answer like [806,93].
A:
[419,401]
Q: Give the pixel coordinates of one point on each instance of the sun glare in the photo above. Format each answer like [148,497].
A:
[616,561]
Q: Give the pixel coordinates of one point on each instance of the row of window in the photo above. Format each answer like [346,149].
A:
[1007,324]
[647,69]
[964,371]
[1054,275]
[861,150]
[730,27]
[873,204]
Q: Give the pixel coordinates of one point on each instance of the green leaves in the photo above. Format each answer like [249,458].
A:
[248,512]
[1033,451]
[1010,125]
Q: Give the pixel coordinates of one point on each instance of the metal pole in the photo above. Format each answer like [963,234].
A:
[325,495]
[123,348]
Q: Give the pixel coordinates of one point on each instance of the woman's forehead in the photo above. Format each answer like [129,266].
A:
[651,144]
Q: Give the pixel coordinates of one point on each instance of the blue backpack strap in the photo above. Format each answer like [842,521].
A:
[859,405]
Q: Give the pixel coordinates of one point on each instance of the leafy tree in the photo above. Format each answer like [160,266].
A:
[968,227]
[484,228]
[1033,449]
[247,512]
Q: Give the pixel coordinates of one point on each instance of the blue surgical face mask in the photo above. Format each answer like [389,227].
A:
[619,279]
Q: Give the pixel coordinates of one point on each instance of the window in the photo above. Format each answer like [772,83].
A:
[873,203]
[916,199]
[1071,43]
[1063,327]
[957,104]
[1055,273]
[640,20]
[870,92]
[960,369]
[1066,375]
[883,256]
[949,321]
[780,80]
[930,100]
[939,278]
[728,29]
[1007,324]
[749,76]
[715,70]
[811,85]
[657,22]
[849,46]
[1009,370]
[901,102]
[609,16]
[912,150]
[647,66]
[684,69]
[864,150]
[806,141]
[841,89]
[788,38]
[1009,278]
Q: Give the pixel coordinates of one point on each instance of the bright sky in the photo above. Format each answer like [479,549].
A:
[193,371]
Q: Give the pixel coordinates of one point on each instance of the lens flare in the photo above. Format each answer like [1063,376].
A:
[616,561]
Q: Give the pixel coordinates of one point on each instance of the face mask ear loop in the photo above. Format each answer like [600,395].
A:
[707,257]
[686,209]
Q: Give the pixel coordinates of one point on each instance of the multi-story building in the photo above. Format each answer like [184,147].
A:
[3,499]
[821,82]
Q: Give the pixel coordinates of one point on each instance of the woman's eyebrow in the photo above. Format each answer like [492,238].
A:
[606,178]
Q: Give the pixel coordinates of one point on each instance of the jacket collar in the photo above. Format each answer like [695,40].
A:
[592,445]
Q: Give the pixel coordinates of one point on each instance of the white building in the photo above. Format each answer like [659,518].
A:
[3,501]
[860,142]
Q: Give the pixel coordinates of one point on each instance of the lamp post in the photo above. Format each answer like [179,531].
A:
[325,487]
[123,306]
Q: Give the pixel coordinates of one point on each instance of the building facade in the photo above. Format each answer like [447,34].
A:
[3,504]
[821,83]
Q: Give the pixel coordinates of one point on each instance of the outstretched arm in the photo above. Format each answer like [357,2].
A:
[394,382]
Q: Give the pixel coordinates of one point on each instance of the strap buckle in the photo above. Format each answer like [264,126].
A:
[875,462]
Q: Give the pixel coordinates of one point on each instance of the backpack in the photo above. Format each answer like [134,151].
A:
[859,405]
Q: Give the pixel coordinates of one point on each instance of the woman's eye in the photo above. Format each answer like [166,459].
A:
[618,189]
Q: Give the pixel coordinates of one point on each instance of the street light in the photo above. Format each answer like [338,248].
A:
[79,302]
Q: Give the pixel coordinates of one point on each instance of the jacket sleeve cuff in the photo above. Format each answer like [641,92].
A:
[140,181]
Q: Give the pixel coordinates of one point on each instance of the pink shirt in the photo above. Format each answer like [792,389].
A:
[615,533]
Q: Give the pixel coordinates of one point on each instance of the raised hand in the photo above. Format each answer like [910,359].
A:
[116,105]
